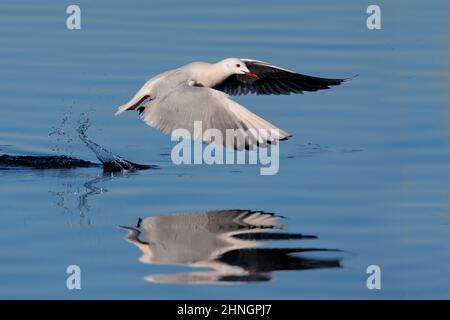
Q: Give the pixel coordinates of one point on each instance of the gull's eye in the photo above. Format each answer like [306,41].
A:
[238,65]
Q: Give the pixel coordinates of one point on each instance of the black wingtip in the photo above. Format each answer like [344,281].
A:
[335,82]
[286,138]
[350,78]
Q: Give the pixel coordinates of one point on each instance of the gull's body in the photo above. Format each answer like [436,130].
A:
[199,92]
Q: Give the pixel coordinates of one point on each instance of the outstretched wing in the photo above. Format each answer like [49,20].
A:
[216,221]
[185,105]
[272,80]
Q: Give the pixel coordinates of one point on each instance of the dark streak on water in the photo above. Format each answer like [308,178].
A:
[45,162]
[110,161]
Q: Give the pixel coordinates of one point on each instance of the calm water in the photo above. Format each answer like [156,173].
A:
[367,170]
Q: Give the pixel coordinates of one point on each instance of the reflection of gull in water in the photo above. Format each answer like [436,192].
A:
[225,241]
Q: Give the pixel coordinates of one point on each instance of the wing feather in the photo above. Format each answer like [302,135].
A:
[186,104]
[273,80]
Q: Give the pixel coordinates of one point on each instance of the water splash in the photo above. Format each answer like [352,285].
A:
[74,198]
[62,136]
[111,162]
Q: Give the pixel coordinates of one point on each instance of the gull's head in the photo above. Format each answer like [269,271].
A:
[236,66]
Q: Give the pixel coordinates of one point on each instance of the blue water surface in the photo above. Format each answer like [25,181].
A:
[366,171]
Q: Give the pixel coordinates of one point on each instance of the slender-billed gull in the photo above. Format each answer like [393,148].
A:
[200,91]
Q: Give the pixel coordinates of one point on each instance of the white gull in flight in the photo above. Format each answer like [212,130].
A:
[200,91]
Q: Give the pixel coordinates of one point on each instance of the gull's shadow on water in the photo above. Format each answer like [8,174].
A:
[227,242]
